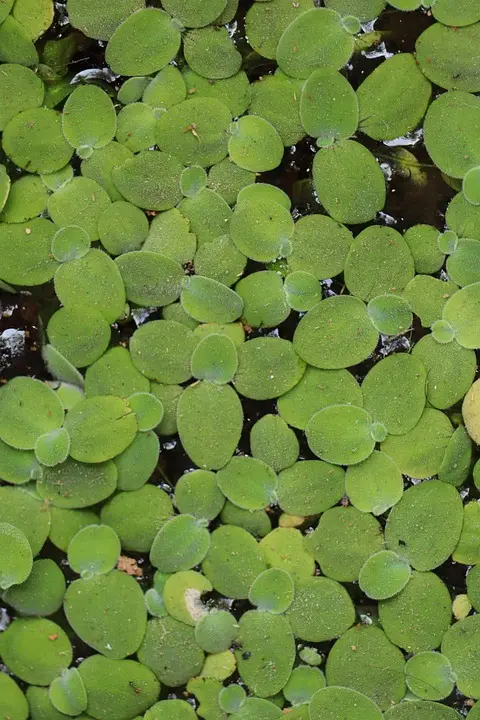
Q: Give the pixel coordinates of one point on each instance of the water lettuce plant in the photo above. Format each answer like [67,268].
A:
[242,478]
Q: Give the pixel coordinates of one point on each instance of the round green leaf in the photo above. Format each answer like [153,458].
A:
[384,574]
[459,645]
[215,359]
[80,202]
[451,129]
[285,548]
[14,702]
[17,559]
[197,494]
[26,252]
[255,144]
[52,448]
[316,39]
[28,409]
[216,631]
[265,638]
[467,551]
[264,298]
[197,13]
[20,89]
[422,241]
[379,261]
[150,180]
[208,214]
[211,52]
[427,297]
[390,314]
[42,593]
[100,428]
[170,651]
[100,21]
[337,615]
[137,515]
[421,710]
[33,140]
[374,485]
[429,676]
[394,98]
[166,89]
[463,12]
[27,199]
[112,686]
[88,119]
[149,278]
[272,591]
[328,107]
[302,290]
[310,487]
[207,300]
[272,441]
[99,167]
[108,613]
[363,659]
[220,260]
[136,126]
[394,392]
[341,434]
[326,702]
[122,228]
[70,243]
[448,56]
[419,453]
[262,230]
[343,171]
[94,550]
[195,131]
[31,655]
[266,21]
[81,334]
[343,540]
[67,693]
[233,561]
[426,537]
[143,43]
[267,367]
[231,698]
[162,349]
[180,544]
[248,483]
[59,485]
[227,179]
[316,390]
[17,466]
[114,374]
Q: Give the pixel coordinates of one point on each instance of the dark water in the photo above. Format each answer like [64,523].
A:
[23,315]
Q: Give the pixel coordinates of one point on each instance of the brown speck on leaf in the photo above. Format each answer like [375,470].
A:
[53,637]
[129,566]
[354,648]
[28,231]
[192,91]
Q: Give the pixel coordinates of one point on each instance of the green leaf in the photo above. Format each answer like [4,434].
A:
[265,23]
[429,676]
[109,692]
[20,89]
[267,367]
[150,180]
[233,561]
[262,230]
[136,126]
[42,593]
[70,243]
[390,314]
[59,485]
[150,279]
[28,409]
[15,44]
[220,260]
[234,92]
[338,613]
[30,654]
[196,13]
[67,693]
[265,302]
[197,494]
[215,359]
[273,442]
[461,311]
[170,651]
[14,701]
[169,235]
[143,43]
[17,559]
[459,645]
[53,447]
[208,215]
[422,241]
[384,574]
[100,164]
[114,374]
[207,300]
[227,179]
[286,548]
[248,483]
[426,538]
[364,10]
[33,140]
[80,202]
[467,551]
[302,290]
[99,21]
[452,151]
[343,540]
[325,703]
[81,334]
[166,89]
[162,350]
[94,550]
[108,613]
[394,98]
[341,434]
[316,39]
[272,591]
[363,659]
[268,642]
[349,182]
[26,252]
[88,119]
[137,515]
[17,466]
[448,56]
[328,107]
[66,523]
[277,100]
[379,261]
[309,487]
[211,52]
[421,710]
[255,144]
[180,544]
[374,485]
[427,297]
[195,131]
